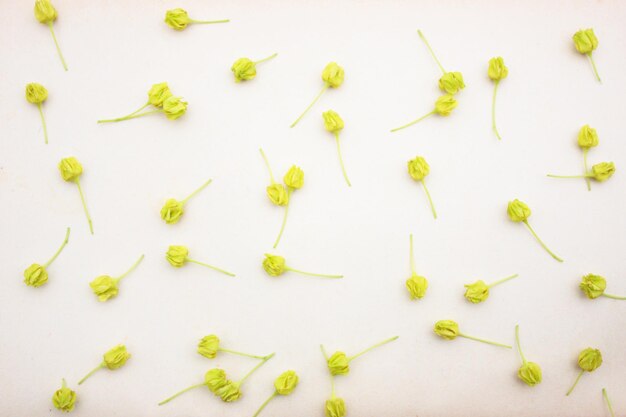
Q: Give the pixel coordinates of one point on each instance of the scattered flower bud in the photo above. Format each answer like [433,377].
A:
[172,210]
[294,178]
[335,407]
[418,170]
[594,285]
[106,287]
[586,42]
[36,275]
[274,265]
[518,211]
[113,359]
[497,71]
[339,364]
[210,345]
[37,94]
[64,398]
[443,107]
[278,195]
[529,372]
[244,69]
[599,172]
[588,361]
[334,124]
[449,330]
[177,256]
[587,137]
[416,285]
[46,13]
[157,94]
[451,82]
[71,170]
[333,76]
[286,383]
[479,291]
[178,19]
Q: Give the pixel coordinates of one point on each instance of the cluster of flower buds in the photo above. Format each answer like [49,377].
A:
[333,76]
[163,101]
[497,71]
[71,170]
[275,265]
[178,255]
[333,123]
[178,19]
[244,69]
[106,287]
[519,212]
[173,209]
[46,13]
[36,275]
[585,42]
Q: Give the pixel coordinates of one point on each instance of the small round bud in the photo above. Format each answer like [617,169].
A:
[590,359]
[70,168]
[177,255]
[445,104]
[418,168]
[603,171]
[229,392]
[593,285]
[277,194]
[36,93]
[172,211]
[587,137]
[335,407]
[448,329]
[215,379]
[104,287]
[477,292]
[174,107]
[35,275]
[274,265]
[497,70]
[332,121]
[45,11]
[417,286]
[286,383]
[333,75]
[294,178]
[208,346]
[451,82]
[243,69]
[158,93]
[338,364]
[530,373]
[64,398]
[518,211]
[585,41]
[177,19]
[116,357]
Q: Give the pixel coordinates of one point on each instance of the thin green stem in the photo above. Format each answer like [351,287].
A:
[430,201]
[282,227]
[211,266]
[485,341]
[131,116]
[608,402]
[384,342]
[310,105]
[575,382]
[267,358]
[82,199]
[202,187]
[419,32]
[130,269]
[266,59]
[234,352]
[43,122]
[493,284]
[67,239]
[297,271]
[324,352]
[332,377]
[93,371]
[267,164]
[343,168]
[208,22]
[57,45]
[519,348]
[555,256]
[180,393]
[271,397]
[493,111]
[413,122]
[614,297]
[412,256]
[570,176]
[587,180]
[593,65]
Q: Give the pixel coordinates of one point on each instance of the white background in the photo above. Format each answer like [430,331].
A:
[117,49]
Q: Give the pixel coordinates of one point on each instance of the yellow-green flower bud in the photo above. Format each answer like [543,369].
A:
[172,211]
[339,364]
[418,168]
[277,193]
[417,286]
[208,346]
[229,392]
[445,104]
[335,407]
[294,178]
[36,93]
[274,265]
[104,287]
[585,41]
[35,275]
[448,329]
[158,93]
[593,285]
[45,11]
[333,75]
[477,292]
[590,359]
[587,137]
[451,82]
[174,107]
[116,357]
[70,168]
[603,171]
[243,69]
[286,383]
[332,121]
[518,211]
[177,19]
[64,398]
[530,373]
[177,255]
[497,70]
[215,379]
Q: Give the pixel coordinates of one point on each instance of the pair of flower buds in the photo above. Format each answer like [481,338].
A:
[161,98]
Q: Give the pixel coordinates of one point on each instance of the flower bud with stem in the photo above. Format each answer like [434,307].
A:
[173,107]
[283,385]
[339,364]
[449,330]
[529,372]
[450,82]
[71,170]
[64,398]
[275,265]
[599,172]
[479,291]
[333,123]
[418,170]
[244,69]
[443,107]
[37,94]
[106,287]
[294,180]
[209,345]
[46,13]
[587,139]
[276,192]
[589,360]
[178,19]
[334,406]
[36,275]
[177,256]
[113,359]
[518,212]
[333,76]
[586,42]
[497,72]
[594,285]
[416,285]
[173,209]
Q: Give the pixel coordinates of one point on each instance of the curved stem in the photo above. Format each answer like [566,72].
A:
[412,256]
[43,122]
[130,269]
[570,176]
[608,402]
[267,164]
[555,256]
[208,22]
[593,65]
[93,371]
[297,271]
[310,105]
[197,191]
[587,180]
[131,116]
[419,32]
[57,45]
[67,239]
[271,397]
[82,199]
[413,122]
[267,358]
[266,59]
[493,111]
[343,168]
[519,348]
[430,201]
[384,342]
[614,297]
[575,382]
[485,341]
[180,393]
[282,227]
[493,284]
[211,266]
[234,352]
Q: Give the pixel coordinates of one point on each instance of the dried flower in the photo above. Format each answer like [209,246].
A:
[416,285]
[334,124]
[210,345]
[587,139]
[443,107]
[105,287]
[479,291]
[339,364]
[594,285]
[275,265]
[37,94]
[589,360]
[599,172]
[335,407]
[36,275]
[529,372]
[46,13]
[333,76]
[244,69]
[497,72]
[173,209]
[586,42]
[283,385]
[64,398]
[518,211]
[418,170]
[178,19]
[177,256]
[113,359]
[449,330]
[71,170]
[450,82]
